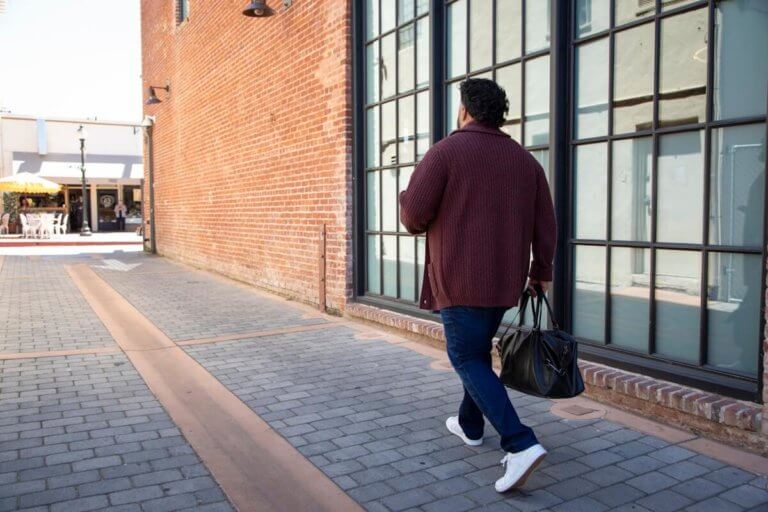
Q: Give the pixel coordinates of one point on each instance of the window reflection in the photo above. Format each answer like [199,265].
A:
[420,256]
[633,79]
[372,137]
[402,183]
[388,68]
[592,89]
[681,181]
[422,124]
[631,10]
[678,288]
[481,34]
[536,25]
[372,73]
[631,189]
[389,219]
[422,49]
[537,101]
[388,135]
[457,39]
[630,296]
[509,24]
[373,200]
[736,185]
[405,10]
[389,264]
[406,123]
[453,97]
[407,268]
[373,256]
[667,5]
[388,20]
[589,293]
[405,56]
[733,311]
[371,18]
[591,172]
[741,41]
[591,16]
[683,71]
[509,79]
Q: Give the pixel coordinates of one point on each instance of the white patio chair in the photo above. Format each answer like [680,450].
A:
[64,225]
[56,221]
[46,227]
[27,229]
[4,221]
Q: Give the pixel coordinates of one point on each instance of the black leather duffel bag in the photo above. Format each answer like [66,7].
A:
[540,362]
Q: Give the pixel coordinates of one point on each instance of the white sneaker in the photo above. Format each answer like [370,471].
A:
[452,424]
[519,466]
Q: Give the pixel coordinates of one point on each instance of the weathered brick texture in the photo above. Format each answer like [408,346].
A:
[252,149]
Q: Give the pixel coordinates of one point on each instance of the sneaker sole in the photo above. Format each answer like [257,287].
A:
[467,441]
[521,481]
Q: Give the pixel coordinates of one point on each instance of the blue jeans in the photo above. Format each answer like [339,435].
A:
[469,331]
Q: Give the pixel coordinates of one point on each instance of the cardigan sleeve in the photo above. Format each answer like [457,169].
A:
[420,202]
[544,231]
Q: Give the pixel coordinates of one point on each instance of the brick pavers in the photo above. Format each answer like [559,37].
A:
[84,433]
[370,414]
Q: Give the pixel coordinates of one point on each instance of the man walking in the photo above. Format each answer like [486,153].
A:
[484,203]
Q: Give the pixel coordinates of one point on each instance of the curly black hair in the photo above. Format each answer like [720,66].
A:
[485,101]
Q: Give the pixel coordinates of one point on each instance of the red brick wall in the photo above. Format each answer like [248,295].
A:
[253,146]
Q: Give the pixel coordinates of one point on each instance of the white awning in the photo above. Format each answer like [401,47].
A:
[65,168]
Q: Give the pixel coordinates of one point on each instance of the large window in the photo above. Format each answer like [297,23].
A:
[668,174]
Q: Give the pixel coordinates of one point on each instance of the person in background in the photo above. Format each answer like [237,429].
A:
[120,212]
[484,203]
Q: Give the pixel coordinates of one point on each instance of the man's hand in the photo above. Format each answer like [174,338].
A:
[532,283]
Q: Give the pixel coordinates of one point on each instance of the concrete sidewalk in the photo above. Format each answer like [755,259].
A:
[351,409]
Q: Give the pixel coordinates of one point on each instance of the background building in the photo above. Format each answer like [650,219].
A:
[649,116]
[50,148]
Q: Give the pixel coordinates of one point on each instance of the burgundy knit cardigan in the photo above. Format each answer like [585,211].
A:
[484,203]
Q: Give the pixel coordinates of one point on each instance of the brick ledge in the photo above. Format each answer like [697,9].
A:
[711,407]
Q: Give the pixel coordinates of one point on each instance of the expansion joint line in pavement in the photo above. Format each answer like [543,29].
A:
[255,466]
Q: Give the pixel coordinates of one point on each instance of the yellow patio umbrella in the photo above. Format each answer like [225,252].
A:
[26,183]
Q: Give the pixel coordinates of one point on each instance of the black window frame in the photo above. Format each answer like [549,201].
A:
[561,148]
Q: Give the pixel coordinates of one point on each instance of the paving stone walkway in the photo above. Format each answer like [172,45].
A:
[83,432]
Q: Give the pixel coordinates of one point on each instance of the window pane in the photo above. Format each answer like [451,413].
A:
[736,185]
[420,256]
[536,25]
[388,70]
[509,29]
[402,184]
[457,39]
[680,175]
[405,10]
[407,125]
[422,6]
[537,101]
[509,79]
[481,34]
[372,73]
[591,190]
[592,89]
[631,10]
[630,295]
[592,16]
[407,268]
[453,97]
[372,137]
[373,273]
[741,69]
[631,188]
[373,200]
[633,79]
[542,156]
[389,200]
[422,49]
[589,293]
[371,18]
[388,136]
[389,262]
[422,124]
[667,5]
[387,15]
[405,58]
[733,305]
[678,288]
[683,72]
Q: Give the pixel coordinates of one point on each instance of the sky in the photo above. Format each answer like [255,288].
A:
[71,58]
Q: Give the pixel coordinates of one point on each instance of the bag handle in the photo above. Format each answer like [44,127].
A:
[542,297]
[520,313]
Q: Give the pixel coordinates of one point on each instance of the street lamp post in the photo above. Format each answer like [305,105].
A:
[85,230]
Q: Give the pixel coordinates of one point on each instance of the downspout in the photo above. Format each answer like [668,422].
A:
[148,123]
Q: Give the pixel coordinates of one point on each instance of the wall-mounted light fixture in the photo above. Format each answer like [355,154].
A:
[153,99]
[260,9]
